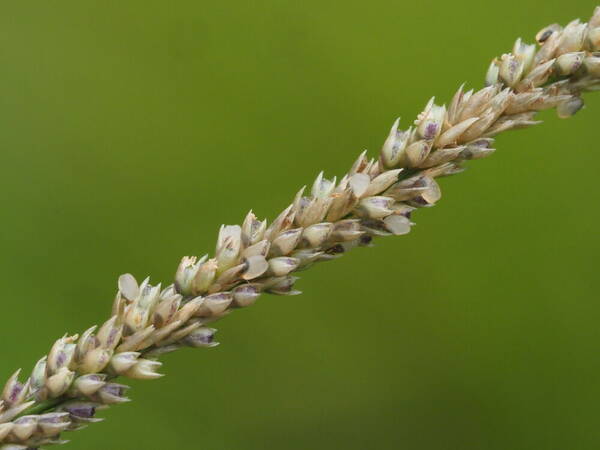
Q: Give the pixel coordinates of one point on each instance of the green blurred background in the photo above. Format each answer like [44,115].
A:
[131,130]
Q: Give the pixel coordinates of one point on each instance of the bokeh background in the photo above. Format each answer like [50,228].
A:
[129,131]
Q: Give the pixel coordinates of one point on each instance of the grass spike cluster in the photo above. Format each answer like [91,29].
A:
[375,198]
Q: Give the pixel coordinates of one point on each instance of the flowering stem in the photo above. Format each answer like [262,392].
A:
[375,198]
[42,407]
